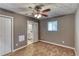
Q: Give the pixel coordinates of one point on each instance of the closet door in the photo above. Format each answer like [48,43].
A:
[5,35]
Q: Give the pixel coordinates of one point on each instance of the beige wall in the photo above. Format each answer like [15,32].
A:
[77,32]
[20,27]
[65,32]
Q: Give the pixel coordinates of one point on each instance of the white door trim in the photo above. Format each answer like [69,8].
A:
[12,30]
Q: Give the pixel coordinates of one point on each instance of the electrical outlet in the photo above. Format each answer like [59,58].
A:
[62,41]
[16,44]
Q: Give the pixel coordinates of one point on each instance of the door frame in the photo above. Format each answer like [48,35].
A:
[12,31]
[32,30]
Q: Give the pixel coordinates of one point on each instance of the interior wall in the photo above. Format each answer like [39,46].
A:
[77,32]
[20,27]
[65,32]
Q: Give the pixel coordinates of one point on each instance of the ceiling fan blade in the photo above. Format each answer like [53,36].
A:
[44,14]
[46,10]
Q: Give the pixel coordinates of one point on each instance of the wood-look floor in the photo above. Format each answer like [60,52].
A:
[43,49]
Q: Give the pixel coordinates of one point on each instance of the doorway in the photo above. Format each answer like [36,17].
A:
[32,32]
[6,34]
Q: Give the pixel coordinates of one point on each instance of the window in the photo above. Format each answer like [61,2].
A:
[52,26]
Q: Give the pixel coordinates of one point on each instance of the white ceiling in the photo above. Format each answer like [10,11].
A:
[57,9]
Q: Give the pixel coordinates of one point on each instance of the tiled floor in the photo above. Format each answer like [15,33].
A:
[43,49]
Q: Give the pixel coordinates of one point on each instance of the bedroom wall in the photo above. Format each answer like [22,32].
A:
[77,32]
[65,32]
[20,26]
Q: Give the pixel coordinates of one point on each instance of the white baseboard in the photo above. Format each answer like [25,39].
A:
[5,53]
[60,45]
[22,47]
[19,48]
[57,44]
[75,52]
[49,43]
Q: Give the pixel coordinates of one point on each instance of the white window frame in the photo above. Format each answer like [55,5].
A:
[52,26]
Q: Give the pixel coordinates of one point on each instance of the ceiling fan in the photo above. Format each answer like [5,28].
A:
[38,11]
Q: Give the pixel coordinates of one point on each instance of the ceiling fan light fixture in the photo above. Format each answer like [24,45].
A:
[35,15]
[38,15]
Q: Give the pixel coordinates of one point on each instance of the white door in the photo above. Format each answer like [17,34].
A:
[29,32]
[5,35]
[35,31]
